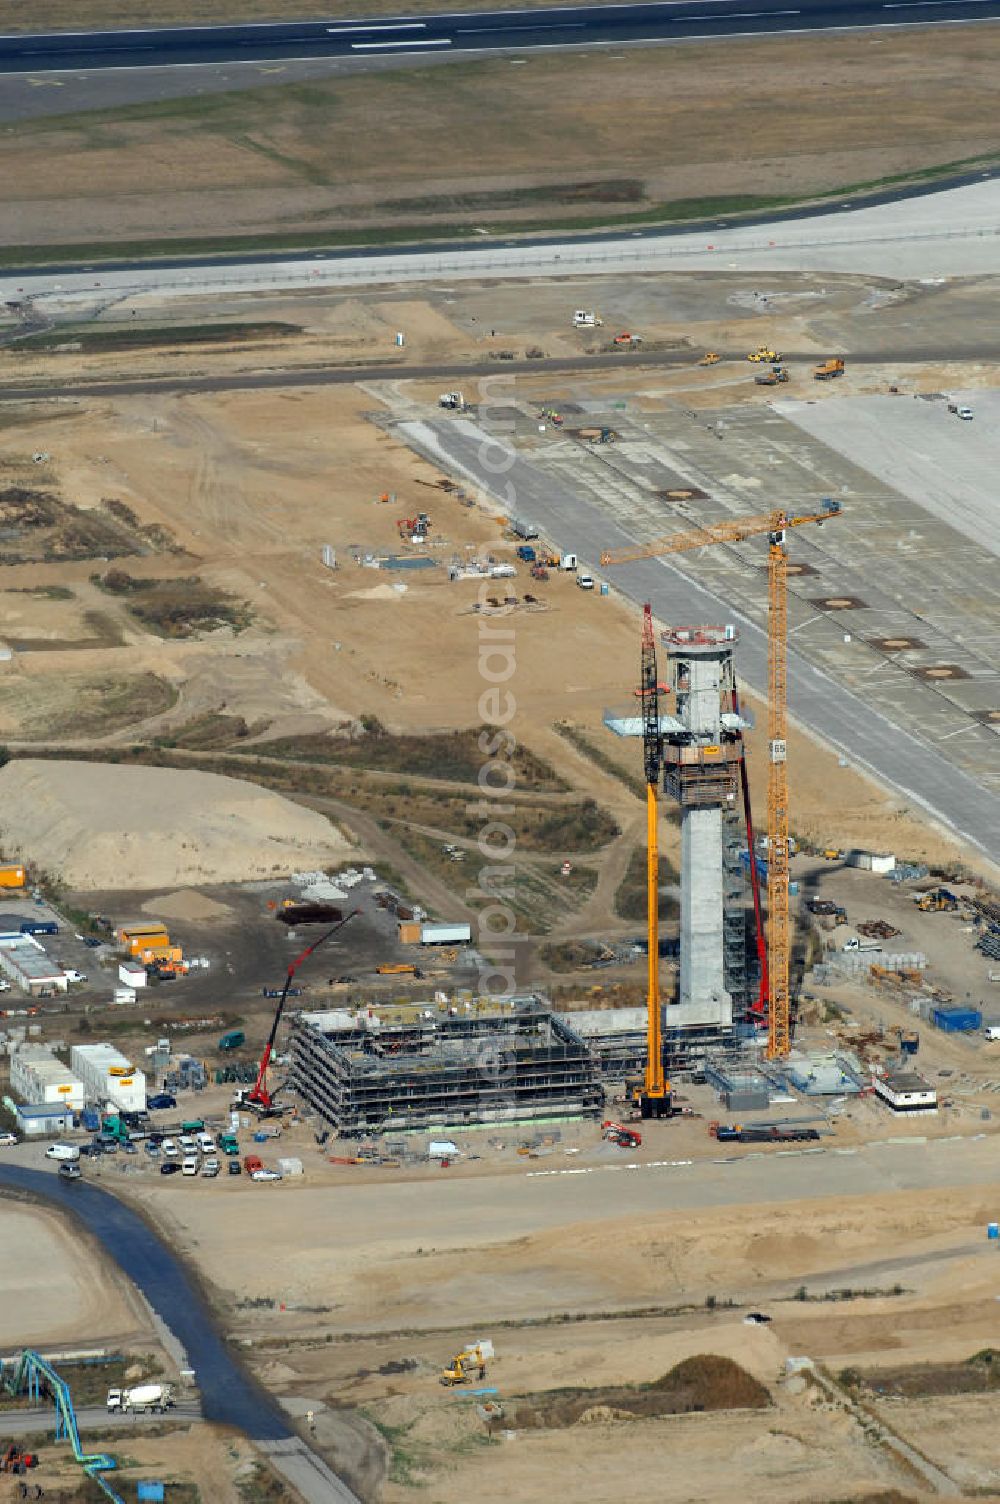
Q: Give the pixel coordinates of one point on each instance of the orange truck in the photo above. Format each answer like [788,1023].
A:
[829,369]
[12,875]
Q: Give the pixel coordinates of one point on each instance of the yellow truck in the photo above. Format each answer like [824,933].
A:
[829,369]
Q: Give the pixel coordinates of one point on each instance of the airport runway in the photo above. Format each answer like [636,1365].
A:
[475,32]
[867,739]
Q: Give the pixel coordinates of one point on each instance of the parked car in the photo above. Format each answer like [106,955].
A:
[162,1102]
[72,975]
[210,1168]
[92,941]
[69,1172]
[4,986]
[170,1168]
[169,1148]
[130,1148]
[267,1175]
[7,1140]
[153,1150]
[187,1143]
[235,1168]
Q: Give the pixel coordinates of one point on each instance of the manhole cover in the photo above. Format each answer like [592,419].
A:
[942,671]
[839,603]
[799,569]
[987,717]
[896,644]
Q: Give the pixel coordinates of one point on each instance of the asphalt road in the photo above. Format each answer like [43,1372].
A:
[855,727]
[238,381]
[478,32]
[20,1423]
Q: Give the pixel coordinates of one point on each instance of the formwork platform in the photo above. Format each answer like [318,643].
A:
[443,1066]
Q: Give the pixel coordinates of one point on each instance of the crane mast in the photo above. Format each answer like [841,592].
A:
[775,525]
[779,1028]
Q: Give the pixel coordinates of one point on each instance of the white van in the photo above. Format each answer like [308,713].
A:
[206,1143]
[189,1167]
[585,581]
[66,1152]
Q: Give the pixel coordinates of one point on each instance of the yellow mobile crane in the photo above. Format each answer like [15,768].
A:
[652,1097]
[775,525]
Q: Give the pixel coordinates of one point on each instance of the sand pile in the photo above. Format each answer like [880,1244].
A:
[100,825]
[184,904]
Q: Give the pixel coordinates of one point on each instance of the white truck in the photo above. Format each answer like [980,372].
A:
[961,410]
[584,319]
[145,1397]
[521,528]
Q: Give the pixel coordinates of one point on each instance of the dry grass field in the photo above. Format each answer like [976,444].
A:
[67,15]
[583,139]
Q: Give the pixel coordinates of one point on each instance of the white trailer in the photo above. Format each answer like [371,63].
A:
[445,934]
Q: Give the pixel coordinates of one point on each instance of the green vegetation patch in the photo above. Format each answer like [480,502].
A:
[458,756]
[176,607]
[131,337]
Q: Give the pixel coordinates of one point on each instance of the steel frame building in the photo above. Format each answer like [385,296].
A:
[450,1065]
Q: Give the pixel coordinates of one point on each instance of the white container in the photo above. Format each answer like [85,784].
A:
[442,1148]
[123,996]
[130,974]
[445,934]
[290,1166]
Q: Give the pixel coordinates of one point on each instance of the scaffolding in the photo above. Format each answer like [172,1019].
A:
[454,1066]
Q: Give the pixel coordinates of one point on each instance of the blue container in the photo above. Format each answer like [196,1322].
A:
[957,1020]
[604,587]
[151,1491]
[993,1231]
[260,1138]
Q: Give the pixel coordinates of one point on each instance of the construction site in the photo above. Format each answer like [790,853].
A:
[736,1100]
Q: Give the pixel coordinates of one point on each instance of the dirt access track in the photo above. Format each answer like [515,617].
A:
[630,137]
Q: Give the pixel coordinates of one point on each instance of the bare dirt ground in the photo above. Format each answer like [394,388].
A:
[50,1294]
[406,1287]
[251,486]
[100,826]
[637,133]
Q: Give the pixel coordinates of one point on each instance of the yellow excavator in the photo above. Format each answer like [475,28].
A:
[464,1367]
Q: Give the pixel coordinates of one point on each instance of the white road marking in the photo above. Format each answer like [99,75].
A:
[410,42]
[354,31]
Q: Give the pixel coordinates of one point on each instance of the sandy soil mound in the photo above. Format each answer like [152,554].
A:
[187,905]
[98,825]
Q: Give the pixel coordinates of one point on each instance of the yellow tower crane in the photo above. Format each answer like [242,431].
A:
[735,530]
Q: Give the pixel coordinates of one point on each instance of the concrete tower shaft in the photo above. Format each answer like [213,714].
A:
[701,769]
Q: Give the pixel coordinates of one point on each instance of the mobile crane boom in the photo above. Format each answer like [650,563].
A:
[260,1096]
[654,1096]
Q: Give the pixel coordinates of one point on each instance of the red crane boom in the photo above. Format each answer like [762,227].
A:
[260,1096]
